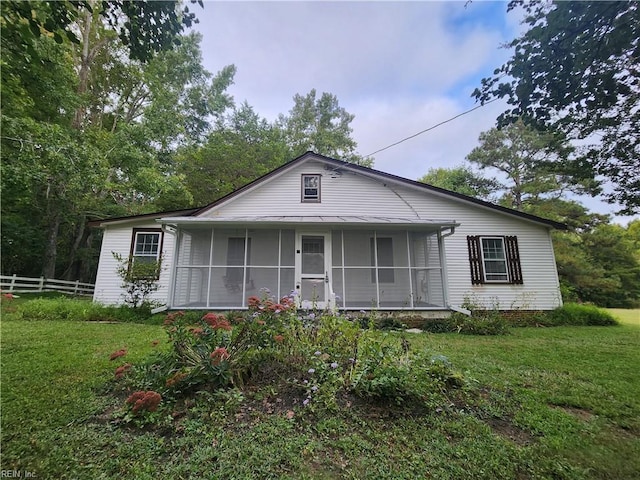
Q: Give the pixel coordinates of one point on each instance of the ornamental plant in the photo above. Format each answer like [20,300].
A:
[317,358]
[143,401]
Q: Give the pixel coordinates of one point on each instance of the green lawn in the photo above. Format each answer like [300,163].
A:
[626,316]
[561,403]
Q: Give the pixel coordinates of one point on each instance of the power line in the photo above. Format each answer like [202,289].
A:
[432,127]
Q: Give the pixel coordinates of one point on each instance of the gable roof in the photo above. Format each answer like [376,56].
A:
[340,164]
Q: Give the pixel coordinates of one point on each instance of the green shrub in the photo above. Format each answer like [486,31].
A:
[317,358]
[61,308]
[73,309]
[482,322]
[580,315]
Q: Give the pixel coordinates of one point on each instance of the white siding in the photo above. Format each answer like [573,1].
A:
[346,193]
[355,194]
[117,238]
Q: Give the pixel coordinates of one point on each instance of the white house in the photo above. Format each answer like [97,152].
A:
[342,237]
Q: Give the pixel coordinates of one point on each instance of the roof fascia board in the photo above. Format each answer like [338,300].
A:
[139,218]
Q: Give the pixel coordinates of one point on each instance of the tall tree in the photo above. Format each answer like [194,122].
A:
[243,147]
[576,70]
[144,26]
[527,163]
[461,180]
[87,132]
[320,125]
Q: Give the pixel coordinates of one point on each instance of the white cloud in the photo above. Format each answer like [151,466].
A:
[399,67]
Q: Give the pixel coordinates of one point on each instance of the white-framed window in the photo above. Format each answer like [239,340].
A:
[494,259]
[146,245]
[310,187]
[383,248]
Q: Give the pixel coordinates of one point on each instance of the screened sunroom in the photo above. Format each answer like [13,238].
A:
[219,267]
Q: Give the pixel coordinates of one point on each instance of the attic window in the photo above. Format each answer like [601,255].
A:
[311,188]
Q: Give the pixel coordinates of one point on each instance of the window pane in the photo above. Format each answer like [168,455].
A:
[147,244]
[311,187]
[493,249]
[264,247]
[195,247]
[313,255]
[424,249]
[313,290]
[495,264]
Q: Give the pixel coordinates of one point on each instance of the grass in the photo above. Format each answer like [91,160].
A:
[626,316]
[560,403]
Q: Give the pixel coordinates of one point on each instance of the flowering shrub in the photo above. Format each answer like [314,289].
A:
[318,357]
[142,401]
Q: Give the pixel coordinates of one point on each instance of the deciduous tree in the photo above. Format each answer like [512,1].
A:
[576,70]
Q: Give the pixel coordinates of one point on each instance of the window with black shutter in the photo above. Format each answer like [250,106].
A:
[494,259]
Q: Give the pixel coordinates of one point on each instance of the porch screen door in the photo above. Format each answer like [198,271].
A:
[313,265]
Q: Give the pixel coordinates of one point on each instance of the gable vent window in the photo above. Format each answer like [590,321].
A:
[494,260]
[311,188]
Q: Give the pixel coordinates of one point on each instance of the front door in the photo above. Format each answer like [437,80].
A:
[313,270]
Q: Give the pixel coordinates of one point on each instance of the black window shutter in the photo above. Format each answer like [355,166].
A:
[513,260]
[475,259]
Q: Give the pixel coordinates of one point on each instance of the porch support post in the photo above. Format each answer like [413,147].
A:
[210,269]
[410,271]
[443,269]
[375,263]
[244,267]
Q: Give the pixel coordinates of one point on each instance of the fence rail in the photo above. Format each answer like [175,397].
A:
[15,284]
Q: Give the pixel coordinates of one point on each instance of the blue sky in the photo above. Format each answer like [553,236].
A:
[399,67]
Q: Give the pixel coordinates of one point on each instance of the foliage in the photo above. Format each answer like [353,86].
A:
[579,314]
[461,180]
[581,81]
[601,265]
[540,403]
[71,309]
[140,279]
[526,162]
[145,27]
[242,147]
[481,322]
[322,126]
[320,359]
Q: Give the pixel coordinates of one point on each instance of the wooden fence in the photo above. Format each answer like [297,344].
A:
[15,284]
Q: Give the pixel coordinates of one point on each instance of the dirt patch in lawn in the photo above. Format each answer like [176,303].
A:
[506,429]
[579,413]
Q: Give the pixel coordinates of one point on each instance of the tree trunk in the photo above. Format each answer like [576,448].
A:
[71,272]
[51,247]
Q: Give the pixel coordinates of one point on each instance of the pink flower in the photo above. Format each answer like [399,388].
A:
[120,371]
[142,400]
[171,317]
[117,354]
[219,355]
[217,322]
